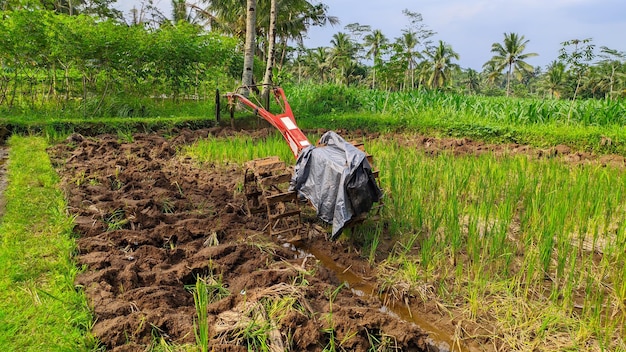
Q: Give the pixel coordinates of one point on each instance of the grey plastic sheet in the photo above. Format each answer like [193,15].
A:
[337,179]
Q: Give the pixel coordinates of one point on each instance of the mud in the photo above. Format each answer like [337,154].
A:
[151,223]
[465,146]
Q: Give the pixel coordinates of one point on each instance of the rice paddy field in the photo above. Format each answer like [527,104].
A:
[523,250]
[502,229]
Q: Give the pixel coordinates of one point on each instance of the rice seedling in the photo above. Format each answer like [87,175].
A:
[541,231]
[334,344]
[207,290]
[239,149]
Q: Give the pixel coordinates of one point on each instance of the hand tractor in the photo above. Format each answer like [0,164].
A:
[335,176]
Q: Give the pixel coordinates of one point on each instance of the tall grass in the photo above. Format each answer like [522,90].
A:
[485,228]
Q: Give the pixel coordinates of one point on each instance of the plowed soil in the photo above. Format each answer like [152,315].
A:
[151,223]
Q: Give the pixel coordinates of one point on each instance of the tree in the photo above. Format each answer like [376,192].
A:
[318,63]
[612,61]
[554,79]
[374,42]
[248,58]
[405,47]
[471,81]
[185,12]
[510,56]
[577,53]
[418,28]
[440,64]
[343,54]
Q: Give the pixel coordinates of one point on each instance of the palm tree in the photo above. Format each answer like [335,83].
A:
[343,53]
[611,61]
[405,45]
[375,41]
[294,17]
[440,64]
[554,79]
[510,56]
[318,63]
[293,20]
[271,52]
[185,12]
[471,81]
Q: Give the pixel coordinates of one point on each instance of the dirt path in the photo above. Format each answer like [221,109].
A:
[151,223]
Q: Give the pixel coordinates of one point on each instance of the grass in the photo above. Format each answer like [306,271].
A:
[40,309]
[206,291]
[56,129]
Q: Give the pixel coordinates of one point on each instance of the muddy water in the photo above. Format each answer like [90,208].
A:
[4,157]
[439,340]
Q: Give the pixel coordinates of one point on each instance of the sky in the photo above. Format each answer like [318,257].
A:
[472,26]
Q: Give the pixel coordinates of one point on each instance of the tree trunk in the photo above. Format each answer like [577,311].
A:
[508,81]
[4,86]
[374,77]
[271,53]
[14,91]
[283,42]
[248,59]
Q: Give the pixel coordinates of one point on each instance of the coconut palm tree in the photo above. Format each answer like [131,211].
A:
[511,56]
[293,18]
[318,63]
[471,81]
[440,64]
[406,48]
[375,43]
[612,61]
[271,52]
[343,54]
[554,79]
[182,11]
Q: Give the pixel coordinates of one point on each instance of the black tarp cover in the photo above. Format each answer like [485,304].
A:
[337,179]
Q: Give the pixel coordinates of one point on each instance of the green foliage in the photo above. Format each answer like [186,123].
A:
[84,65]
